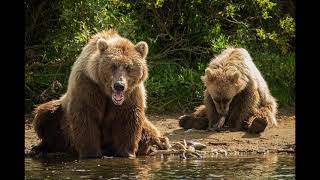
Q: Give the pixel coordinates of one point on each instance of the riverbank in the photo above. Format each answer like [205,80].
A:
[274,140]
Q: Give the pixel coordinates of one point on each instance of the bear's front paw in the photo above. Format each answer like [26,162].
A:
[165,144]
[219,125]
[90,155]
[107,150]
[126,154]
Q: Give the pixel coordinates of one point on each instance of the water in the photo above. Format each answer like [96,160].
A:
[281,166]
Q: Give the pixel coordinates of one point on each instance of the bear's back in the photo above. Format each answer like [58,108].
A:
[241,59]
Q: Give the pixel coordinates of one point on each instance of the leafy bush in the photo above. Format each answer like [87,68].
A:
[183,36]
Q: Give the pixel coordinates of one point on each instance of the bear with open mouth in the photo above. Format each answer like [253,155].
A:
[104,105]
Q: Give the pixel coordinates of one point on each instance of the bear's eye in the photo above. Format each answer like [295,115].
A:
[113,67]
[129,68]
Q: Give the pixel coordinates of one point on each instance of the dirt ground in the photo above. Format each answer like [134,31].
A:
[274,140]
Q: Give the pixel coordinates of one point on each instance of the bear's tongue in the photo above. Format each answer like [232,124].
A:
[118,95]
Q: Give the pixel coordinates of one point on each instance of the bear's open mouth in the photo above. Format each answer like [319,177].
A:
[117,97]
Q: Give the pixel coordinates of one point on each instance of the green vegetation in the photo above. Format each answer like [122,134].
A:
[183,36]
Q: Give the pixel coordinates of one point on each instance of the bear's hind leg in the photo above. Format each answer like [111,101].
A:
[47,125]
[257,124]
[263,118]
[197,120]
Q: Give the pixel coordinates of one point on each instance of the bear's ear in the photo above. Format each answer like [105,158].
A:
[209,76]
[235,77]
[143,48]
[102,44]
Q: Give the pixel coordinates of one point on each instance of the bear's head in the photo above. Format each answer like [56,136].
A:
[121,66]
[223,84]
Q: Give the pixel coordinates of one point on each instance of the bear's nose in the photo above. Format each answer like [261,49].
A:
[118,86]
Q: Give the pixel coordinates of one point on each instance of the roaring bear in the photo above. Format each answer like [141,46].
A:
[104,106]
[236,95]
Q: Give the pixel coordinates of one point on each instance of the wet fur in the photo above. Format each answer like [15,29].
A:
[87,118]
[51,128]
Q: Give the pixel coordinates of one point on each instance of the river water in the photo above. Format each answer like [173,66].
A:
[269,166]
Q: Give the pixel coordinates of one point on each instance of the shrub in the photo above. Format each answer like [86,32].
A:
[183,36]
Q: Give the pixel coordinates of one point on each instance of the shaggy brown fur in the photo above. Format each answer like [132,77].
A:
[235,91]
[48,122]
[105,101]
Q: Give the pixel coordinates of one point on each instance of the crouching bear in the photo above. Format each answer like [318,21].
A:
[104,106]
[236,96]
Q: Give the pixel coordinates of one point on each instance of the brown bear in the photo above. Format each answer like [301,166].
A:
[104,105]
[236,95]
[48,122]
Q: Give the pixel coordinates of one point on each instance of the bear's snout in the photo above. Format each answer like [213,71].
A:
[118,86]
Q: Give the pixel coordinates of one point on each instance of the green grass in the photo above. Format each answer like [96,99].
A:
[172,87]
[279,72]
[40,83]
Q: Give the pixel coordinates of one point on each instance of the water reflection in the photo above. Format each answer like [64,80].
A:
[262,166]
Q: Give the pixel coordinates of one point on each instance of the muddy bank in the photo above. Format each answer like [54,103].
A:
[274,140]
